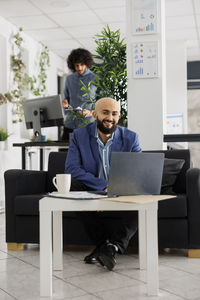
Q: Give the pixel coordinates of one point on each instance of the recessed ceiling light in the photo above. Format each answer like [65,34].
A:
[60,3]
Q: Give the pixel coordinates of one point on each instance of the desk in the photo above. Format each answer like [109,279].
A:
[191,137]
[148,237]
[40,145]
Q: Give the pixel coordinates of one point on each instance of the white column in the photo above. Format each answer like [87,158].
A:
[147,96]
[176,83]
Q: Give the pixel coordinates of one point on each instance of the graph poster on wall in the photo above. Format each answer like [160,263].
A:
[174,123]
[145,60]
[144,16]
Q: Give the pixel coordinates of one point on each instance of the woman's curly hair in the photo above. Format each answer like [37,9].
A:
[79,55]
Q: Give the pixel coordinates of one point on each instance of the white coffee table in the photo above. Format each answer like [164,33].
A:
[148,237]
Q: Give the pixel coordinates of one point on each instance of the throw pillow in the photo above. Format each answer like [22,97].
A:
[171,169]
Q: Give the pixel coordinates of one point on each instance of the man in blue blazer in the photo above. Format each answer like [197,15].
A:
[88,163]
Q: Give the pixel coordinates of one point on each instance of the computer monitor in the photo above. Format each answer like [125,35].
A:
[43,112]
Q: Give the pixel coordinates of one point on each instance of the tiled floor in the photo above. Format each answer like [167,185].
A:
[19,276]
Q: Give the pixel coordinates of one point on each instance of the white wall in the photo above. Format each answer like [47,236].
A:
[176,70]
[3,72]
[12,157]
[32,55]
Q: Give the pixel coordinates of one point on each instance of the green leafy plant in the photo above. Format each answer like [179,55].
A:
[110,68]
[37,85]
[3,134]
[21,80]
[89,94]
[15,96]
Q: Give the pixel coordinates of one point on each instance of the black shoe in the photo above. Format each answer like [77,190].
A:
[91,258]
[106,256]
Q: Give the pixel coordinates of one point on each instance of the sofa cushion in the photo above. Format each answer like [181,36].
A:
[180,184]
[56,165]
[173,208]
[171,170]
[28,205]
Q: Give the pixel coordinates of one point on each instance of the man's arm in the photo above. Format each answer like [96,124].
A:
[136,145]
[66,93]
[74,166]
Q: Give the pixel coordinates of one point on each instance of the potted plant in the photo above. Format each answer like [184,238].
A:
[3,137]
[111,68]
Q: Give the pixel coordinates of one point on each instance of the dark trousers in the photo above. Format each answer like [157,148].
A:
[116,226]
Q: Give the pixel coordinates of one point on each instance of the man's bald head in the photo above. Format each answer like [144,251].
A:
[107,103]
[107,114]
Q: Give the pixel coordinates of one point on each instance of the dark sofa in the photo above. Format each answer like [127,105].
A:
[179,218]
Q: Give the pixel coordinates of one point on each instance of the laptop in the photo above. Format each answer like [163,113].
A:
[131,173]
[135,173]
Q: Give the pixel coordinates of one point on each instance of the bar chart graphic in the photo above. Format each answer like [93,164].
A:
[145,60]
[139,71]
[144,16]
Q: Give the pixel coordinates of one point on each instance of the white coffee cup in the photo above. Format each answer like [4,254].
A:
[62,182]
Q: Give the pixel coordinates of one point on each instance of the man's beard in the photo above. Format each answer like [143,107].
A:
[104,129]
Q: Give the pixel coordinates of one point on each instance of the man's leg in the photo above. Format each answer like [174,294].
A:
[121,227]
[91,222]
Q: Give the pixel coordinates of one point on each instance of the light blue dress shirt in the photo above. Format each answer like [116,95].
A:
[104,153]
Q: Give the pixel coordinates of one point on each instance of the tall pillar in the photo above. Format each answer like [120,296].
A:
[146,70]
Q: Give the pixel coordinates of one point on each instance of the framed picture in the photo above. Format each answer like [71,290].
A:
[174,123]
[144,16]
[145,59]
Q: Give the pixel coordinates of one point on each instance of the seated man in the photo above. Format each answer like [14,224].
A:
[88,163]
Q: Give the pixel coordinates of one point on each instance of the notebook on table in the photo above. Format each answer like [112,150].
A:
[131,173]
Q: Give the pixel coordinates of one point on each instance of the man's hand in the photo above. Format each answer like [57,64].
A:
[65,103]
[87,113]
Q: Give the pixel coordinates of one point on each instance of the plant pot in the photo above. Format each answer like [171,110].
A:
[2,145]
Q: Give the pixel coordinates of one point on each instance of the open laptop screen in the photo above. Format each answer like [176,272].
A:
[133,173]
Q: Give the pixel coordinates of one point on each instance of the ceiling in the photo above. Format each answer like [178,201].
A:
[66,24]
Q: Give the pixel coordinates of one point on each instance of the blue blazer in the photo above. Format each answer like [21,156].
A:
[83,156]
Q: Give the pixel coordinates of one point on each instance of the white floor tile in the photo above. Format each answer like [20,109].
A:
[129,265]
[101,281]
[19,276]
[138,292]
[186,286]
[78,268]
[88,297]
[13,266]
[22,282]
[4,255]
[186,264]
[5,296]
[34,260]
